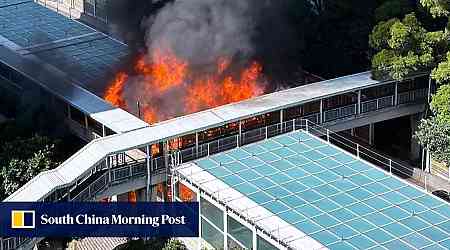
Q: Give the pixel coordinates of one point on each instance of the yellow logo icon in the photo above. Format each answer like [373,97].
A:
[22,219]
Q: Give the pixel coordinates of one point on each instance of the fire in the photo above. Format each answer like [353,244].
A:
[114,92]
[167,86]
[166,72]
[209,92]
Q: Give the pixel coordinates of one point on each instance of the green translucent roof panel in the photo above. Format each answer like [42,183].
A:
[341,201]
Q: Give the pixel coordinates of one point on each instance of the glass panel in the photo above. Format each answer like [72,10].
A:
[339,101]
[89,7]
[78,4]
[211,235]
[185,193]
[109,131]
[240,232]
[405,86]
[77,116]
[233,245]
[264,245]
[212,213]
[101,9]
[95,126]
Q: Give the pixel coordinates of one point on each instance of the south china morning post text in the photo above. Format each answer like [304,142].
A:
[114,219]
[85,219]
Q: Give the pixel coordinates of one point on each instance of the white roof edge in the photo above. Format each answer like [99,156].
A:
[206,119]
[270,220]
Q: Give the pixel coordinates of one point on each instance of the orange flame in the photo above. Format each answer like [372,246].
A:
[114,92]
[164,73]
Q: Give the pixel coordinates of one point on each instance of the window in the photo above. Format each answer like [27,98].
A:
[264,245]
[311,107]
[339,101]
[377,92]
[211,235]
[109,131]
[4,71]
[101,9]
[240,232]
[77,116]
[405,86]
[293,112]
[78,4]
[89,7]
[95,126]
[61,106]
[184,193]
[218,132]
[212,213]
[232,244]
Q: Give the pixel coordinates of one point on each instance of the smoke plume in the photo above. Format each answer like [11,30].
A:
[201,31]
[219,39]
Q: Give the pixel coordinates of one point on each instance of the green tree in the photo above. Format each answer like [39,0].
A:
[403,47]
[22,159]
[174,244]
[393,8]
[436,135]
[437,8]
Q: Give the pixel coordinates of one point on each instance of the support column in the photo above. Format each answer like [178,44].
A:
[149,176]
[255,238]
[371,133]
[321,111]
[428,161]
[69,113]
[281,120]
[429,89]
[358,109]
[396,94]
[196,144]
[200,239]
[166,164]
[108,165]
[103,130]
[86,124]
[415,146]
[240,134]
[225,229]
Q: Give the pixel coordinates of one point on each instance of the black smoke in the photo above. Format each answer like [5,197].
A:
[200,31]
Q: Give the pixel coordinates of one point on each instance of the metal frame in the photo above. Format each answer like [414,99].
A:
[357,186]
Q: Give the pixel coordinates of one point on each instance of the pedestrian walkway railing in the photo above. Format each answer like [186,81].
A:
[105,178]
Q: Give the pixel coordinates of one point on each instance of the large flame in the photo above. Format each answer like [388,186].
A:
[115,91]
[164,73]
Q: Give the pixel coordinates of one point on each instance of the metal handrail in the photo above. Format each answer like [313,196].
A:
[247,137]
[304,123]
[341,112]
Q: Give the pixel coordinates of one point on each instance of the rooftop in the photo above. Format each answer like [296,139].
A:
[85,54]
[302,189]
[96,151]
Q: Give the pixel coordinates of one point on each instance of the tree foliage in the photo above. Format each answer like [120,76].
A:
[435,134]
[174,244]
[392,9]
[22,159]
[402,47]
[437,8]
[405,46]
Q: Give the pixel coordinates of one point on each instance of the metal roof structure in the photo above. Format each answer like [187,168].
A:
[313,195]
[62,56]
[96,151]
[74,48]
